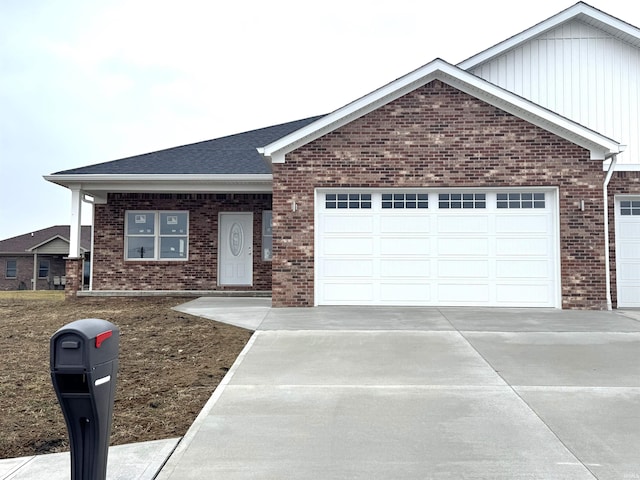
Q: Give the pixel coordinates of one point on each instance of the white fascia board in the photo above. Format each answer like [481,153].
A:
[597,18]
[192,183]
[600,146]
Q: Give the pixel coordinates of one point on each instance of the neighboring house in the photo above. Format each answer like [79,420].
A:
[39,255]
[509,180]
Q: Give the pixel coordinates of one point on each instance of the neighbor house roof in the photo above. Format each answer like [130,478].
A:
[580,11]
[225,164]
[28,242]
[601,147]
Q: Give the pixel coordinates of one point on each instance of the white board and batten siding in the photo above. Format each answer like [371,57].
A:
[628,251]
[385,251]
[580,72]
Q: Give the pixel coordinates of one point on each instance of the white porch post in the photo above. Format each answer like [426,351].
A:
[35,270]
[76,223]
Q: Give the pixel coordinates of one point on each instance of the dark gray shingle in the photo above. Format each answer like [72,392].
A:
[234,154]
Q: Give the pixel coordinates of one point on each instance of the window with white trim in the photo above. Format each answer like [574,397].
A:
[156,235]
[405,200]
[348,200]
[462,200]
[630,207]
[520,200]
[267,235]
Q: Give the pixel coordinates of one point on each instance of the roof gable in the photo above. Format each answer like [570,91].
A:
[581,12]
[29,242]
[600,146]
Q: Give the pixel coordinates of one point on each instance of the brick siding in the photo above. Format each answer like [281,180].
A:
[200,271]
[437,136]
[24,272]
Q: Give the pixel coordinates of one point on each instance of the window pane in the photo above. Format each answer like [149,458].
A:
[43,269]
[12,269]
[140,223]
[267,248]
[267,222]
[174,223]
[140,247]
[173,247]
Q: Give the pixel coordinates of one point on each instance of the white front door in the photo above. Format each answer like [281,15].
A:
[235,249]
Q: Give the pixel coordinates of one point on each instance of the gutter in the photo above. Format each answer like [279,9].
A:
[607,260]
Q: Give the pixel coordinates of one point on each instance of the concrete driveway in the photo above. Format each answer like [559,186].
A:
[420,393]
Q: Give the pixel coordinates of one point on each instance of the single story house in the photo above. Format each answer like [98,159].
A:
[510,179]
[37,260]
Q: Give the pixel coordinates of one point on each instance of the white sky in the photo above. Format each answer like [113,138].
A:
[83,82]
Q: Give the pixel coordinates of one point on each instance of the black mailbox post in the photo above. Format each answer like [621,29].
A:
[84,363]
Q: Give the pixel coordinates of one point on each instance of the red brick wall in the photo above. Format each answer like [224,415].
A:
[622,183]
[199,272]
[437,136]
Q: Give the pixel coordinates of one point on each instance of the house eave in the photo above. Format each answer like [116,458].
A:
[99,184]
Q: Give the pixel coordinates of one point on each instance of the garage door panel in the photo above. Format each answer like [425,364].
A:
[463,268]
[517,268]
[522,224]
[630,251]
[348,293]
[629,229]
[404,246]
[405,268]
[629,271]
[344,224]
[413,224]
[629,296]
[523,294]
[347,268]
[474,294]
[523,246]
[463,224]
[463,246]
[405,292]
[348,246]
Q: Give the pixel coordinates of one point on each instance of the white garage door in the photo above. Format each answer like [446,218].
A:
[628,251]
[445,247]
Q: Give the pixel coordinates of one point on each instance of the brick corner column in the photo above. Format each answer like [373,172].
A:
[74,277]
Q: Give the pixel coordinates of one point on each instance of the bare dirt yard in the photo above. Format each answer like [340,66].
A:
[169,365]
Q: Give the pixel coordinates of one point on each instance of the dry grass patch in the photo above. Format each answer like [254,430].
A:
[169,365]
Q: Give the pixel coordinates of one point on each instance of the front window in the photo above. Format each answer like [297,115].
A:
[156,235]
[11,270]
[43,269]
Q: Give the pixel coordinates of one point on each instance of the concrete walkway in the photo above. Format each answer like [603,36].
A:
[411,393]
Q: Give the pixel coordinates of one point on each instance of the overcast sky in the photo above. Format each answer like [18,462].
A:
[83,82]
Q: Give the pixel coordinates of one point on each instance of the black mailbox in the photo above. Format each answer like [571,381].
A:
[84,363]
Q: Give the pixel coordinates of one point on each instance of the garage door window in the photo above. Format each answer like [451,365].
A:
[405,200]
[462,200]
[630,207]
[348,200]
[520,200]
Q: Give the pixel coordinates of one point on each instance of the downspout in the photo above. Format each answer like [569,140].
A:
[607,260]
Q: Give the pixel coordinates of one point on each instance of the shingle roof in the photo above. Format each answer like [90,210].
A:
[22,243]
[234,154]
